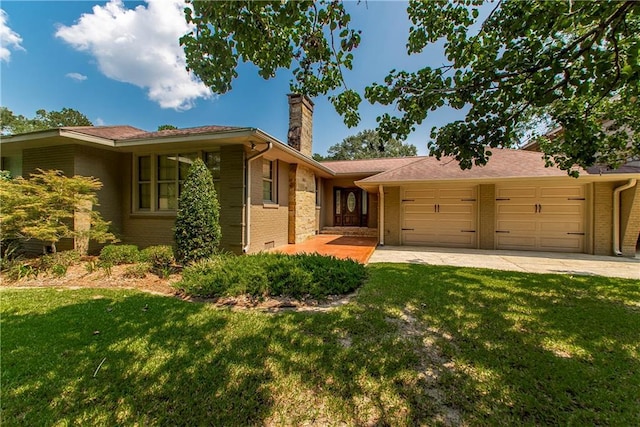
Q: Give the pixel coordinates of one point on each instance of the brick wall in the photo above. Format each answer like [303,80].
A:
[602,217]
[630,220]
[487,220]
[392,215]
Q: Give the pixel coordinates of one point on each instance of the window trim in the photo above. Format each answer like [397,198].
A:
[273,182]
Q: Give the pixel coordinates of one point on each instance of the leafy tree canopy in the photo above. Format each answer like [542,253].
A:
[367,145]
[12,124]
[166,127]
[572,64]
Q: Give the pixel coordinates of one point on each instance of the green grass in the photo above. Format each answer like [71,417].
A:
[419,345]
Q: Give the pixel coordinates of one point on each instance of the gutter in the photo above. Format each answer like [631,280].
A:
[616,214]
[247,207]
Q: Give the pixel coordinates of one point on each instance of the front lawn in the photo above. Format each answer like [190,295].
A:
[418,345]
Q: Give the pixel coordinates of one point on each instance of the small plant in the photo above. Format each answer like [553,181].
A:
[59,270]
[120,254]
[21,270]
[137,271]
[91,265]
[106,266]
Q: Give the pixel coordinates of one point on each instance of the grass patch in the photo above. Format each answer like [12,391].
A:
[418,345]
[272,274]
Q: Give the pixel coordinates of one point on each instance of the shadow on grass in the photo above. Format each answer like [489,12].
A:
[507,348]
[526,348]
[105,357]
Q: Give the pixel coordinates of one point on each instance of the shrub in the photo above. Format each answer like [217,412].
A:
[120,254]
[137,271]
[159,256]
[197,230]
[272,274]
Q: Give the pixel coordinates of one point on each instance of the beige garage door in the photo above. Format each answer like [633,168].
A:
[541,218]
[441,217]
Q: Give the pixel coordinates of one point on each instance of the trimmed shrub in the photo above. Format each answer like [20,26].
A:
[197,230]
[272,274]
[120,254]
[159,256]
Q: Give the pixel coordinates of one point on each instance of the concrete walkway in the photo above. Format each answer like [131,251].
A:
[530,262]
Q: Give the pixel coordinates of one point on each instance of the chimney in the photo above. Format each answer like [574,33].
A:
[300,134]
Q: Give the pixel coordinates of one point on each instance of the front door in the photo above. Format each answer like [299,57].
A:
[349,210]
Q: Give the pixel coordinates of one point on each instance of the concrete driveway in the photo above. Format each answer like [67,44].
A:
[529,262]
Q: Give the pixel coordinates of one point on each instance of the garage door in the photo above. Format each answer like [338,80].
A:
[541,218]
[441,217]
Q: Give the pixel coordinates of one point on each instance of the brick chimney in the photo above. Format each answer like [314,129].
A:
[300,134]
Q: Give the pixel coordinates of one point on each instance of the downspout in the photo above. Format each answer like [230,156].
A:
[616,215]
[247,206]
[381,215]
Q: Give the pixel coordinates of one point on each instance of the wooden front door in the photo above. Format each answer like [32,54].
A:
[349,210]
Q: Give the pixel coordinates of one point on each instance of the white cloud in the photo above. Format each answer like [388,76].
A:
[99,122]
[140,46]
[8,37]
[77,76]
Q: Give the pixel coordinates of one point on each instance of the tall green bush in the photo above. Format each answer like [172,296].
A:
[197,230]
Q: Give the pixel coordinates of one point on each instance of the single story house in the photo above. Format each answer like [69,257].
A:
[273,193]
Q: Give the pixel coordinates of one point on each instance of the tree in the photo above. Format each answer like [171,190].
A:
[45,206]
[368,145]
[574,64]
[166,127]
[43,119]
[197,231]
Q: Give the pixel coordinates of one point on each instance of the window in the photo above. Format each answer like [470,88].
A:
[318,194]
[268,181]
[144,182]
[212,160]
[160,179]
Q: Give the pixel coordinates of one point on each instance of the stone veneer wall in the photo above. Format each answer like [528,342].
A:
[302,203]
[300,134]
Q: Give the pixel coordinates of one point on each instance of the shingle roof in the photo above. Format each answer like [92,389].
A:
[504,163]
[119,133]
[368,166]
[188,131]
[108,132]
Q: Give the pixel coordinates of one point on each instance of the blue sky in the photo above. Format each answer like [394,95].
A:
[119,63]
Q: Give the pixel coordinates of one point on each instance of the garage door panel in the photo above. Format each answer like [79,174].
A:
[420,194]
[540,218]
[506,241]
[562,192]
[561,244]
[457,193]
[504,208]
[462,209]
[560,227]
[517,226]
[441,217]
[515,193]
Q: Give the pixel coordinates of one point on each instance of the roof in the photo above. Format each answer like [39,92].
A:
[108,132]
[368,166]
[123,133]
[504,163]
